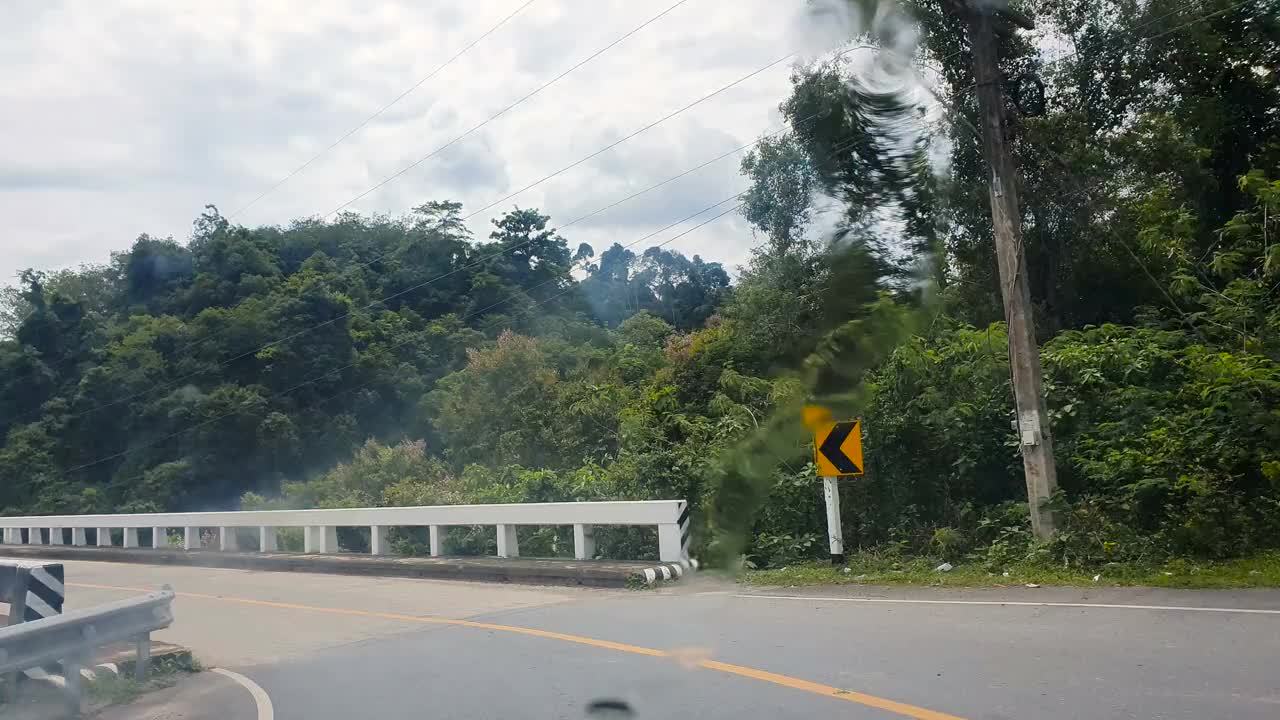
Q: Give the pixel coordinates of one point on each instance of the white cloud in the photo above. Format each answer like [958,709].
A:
[124,118]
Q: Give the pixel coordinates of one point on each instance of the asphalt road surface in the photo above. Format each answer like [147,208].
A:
[316,646]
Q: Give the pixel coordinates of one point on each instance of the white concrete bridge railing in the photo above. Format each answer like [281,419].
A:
[320,527]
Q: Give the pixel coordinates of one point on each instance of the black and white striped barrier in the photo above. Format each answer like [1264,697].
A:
[686,532]
[666,572]
[34,589]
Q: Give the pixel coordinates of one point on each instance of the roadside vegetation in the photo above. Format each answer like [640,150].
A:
[378,360]
[870,568]
[110,689]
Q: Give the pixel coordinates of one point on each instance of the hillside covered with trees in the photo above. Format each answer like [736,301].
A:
[399,360]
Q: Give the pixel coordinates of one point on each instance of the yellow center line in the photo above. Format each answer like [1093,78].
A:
[911,711]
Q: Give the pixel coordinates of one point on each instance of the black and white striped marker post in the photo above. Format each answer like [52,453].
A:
[34,590]
[685,532]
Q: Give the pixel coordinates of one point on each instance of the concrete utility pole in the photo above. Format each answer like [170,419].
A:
[1024,356]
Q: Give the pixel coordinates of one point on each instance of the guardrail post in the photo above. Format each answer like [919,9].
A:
[11,536]
[191,538]
[131,537]
[159,537]
[584,542]
[104,537]
[55,536]
[508,545]
[143,645]
[77,537]
[669,542]
[34,537]
[436,548]
[227,541]
[378,540]
[74,684]
[267,541]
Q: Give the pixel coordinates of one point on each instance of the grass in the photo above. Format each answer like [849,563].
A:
[1261,570]
[110,689]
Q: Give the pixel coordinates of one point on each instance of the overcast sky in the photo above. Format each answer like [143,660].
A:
[127,117]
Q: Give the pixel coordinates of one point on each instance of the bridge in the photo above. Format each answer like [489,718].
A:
[307,644]
[670,517]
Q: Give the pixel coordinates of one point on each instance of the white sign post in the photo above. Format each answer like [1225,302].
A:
[834,532]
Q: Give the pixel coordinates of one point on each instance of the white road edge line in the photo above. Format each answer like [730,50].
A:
[1021,603]
[266,711]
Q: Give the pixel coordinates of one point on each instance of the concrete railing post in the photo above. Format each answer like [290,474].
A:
[669,542]
[191,538]
[508,545]
[321,539]
[159,537]
[12,536]
[227,541]
[436,549]
[104,537]
[584,542]
[329,539]
[378,540]
[77,537]
[131,537]
[34,537]
[267,541]
[55,536]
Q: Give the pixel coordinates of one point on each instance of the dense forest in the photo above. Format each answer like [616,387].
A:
[399,360]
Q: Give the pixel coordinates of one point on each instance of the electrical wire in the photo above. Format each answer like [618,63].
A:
[505,110]
[625,138]
[382,109]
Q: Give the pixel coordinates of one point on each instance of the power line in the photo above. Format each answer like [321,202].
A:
[383,109]
[653,124]
[625,138]
[504,110]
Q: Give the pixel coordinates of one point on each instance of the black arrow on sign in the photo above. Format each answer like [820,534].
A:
[831,447]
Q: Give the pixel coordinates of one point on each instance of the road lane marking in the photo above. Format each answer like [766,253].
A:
[266,711]
[1017,603]
[911,711]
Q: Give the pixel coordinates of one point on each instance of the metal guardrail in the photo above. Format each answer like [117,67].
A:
[72,637]
[671,517]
